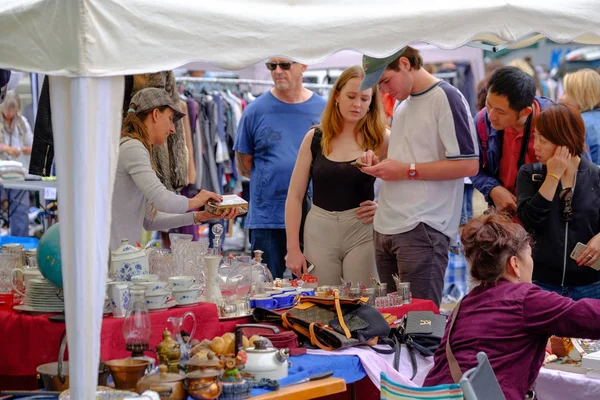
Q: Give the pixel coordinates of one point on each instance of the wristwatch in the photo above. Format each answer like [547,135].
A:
[412,172]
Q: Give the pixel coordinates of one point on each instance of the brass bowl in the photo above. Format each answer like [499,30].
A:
[127,372]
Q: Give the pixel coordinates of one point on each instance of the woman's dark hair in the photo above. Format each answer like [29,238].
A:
[489,241]
[562,125]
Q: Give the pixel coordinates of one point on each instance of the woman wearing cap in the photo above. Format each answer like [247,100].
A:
[140,200]
[338,235]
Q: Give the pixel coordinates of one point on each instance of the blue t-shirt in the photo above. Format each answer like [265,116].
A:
[271,131]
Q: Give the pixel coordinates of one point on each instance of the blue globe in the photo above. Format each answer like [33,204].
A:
[48,256]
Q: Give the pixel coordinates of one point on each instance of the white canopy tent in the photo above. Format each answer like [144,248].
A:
[87,45]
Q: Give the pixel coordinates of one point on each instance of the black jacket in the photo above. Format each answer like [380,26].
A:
[543,219]
[42,151]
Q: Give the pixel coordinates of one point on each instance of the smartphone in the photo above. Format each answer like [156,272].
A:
[579,248]
[309,266]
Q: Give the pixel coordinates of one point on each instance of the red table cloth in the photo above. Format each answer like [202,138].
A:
[27,341]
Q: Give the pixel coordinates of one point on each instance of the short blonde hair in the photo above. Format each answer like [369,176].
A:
[583,88]
[11,100]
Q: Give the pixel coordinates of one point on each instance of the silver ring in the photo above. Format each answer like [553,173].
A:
[591,256]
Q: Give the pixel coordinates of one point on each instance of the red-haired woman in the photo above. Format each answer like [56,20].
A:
[506,316]
[558,200]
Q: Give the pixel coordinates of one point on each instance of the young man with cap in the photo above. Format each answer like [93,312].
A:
[432,148]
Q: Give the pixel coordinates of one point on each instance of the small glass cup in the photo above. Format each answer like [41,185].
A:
[381,290]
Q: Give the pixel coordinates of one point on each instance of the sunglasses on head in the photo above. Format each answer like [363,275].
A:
[272,66]
[566,196]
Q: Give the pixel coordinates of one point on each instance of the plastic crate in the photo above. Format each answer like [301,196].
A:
[27,242]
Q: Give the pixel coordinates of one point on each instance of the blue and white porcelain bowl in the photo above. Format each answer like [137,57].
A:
[187,296]
[157,300]
[153,287]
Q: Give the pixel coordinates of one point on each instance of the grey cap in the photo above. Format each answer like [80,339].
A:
[151,98]
[375,67]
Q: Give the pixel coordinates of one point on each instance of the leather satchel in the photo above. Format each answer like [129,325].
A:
[424,330]
[331,323]
[421,331]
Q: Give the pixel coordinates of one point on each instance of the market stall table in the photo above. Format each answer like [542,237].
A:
[308,390]
[32,340]
[36,340]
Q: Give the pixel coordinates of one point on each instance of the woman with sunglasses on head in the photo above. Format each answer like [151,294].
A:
[338,232]
[558,200]
[140,200]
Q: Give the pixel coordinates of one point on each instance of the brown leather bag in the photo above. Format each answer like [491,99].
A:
[331,323]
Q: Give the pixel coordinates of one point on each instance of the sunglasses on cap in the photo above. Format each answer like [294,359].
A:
[272,66]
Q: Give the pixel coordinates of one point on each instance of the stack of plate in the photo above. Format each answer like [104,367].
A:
[43,296]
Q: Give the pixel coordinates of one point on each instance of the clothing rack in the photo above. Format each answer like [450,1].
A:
[186,79]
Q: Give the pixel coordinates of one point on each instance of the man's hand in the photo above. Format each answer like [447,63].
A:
[366,211]
[388,170]
[369,158]
[504,200]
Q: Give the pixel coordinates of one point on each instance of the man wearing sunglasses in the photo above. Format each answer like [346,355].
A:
[267,142]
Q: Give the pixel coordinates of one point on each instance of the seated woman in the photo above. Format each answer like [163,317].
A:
[140,200]
[558,199]
[506,316]
[338,233]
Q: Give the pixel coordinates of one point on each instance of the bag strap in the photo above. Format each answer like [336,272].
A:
[483,134]
[452,363]
[315,146]
[314,340]
[338,311]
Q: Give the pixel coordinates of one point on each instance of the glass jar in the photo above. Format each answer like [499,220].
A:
[370,294]
[381,290]
[137,326]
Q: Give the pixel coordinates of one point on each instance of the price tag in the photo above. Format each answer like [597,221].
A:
[49,193]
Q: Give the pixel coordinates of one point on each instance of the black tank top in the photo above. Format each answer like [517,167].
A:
[337,185]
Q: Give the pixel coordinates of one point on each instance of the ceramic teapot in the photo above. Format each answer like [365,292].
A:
[128,261]
[266,362]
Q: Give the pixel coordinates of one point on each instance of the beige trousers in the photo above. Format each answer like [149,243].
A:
[340,246]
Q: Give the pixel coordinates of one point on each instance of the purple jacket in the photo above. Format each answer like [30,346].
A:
[511,323]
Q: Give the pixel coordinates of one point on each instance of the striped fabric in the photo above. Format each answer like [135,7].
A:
[394,391]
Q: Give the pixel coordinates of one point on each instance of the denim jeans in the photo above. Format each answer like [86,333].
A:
[18,211]
[575,292]
[273,243]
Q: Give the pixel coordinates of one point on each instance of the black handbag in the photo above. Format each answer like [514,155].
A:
[331,323]
[421,331]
